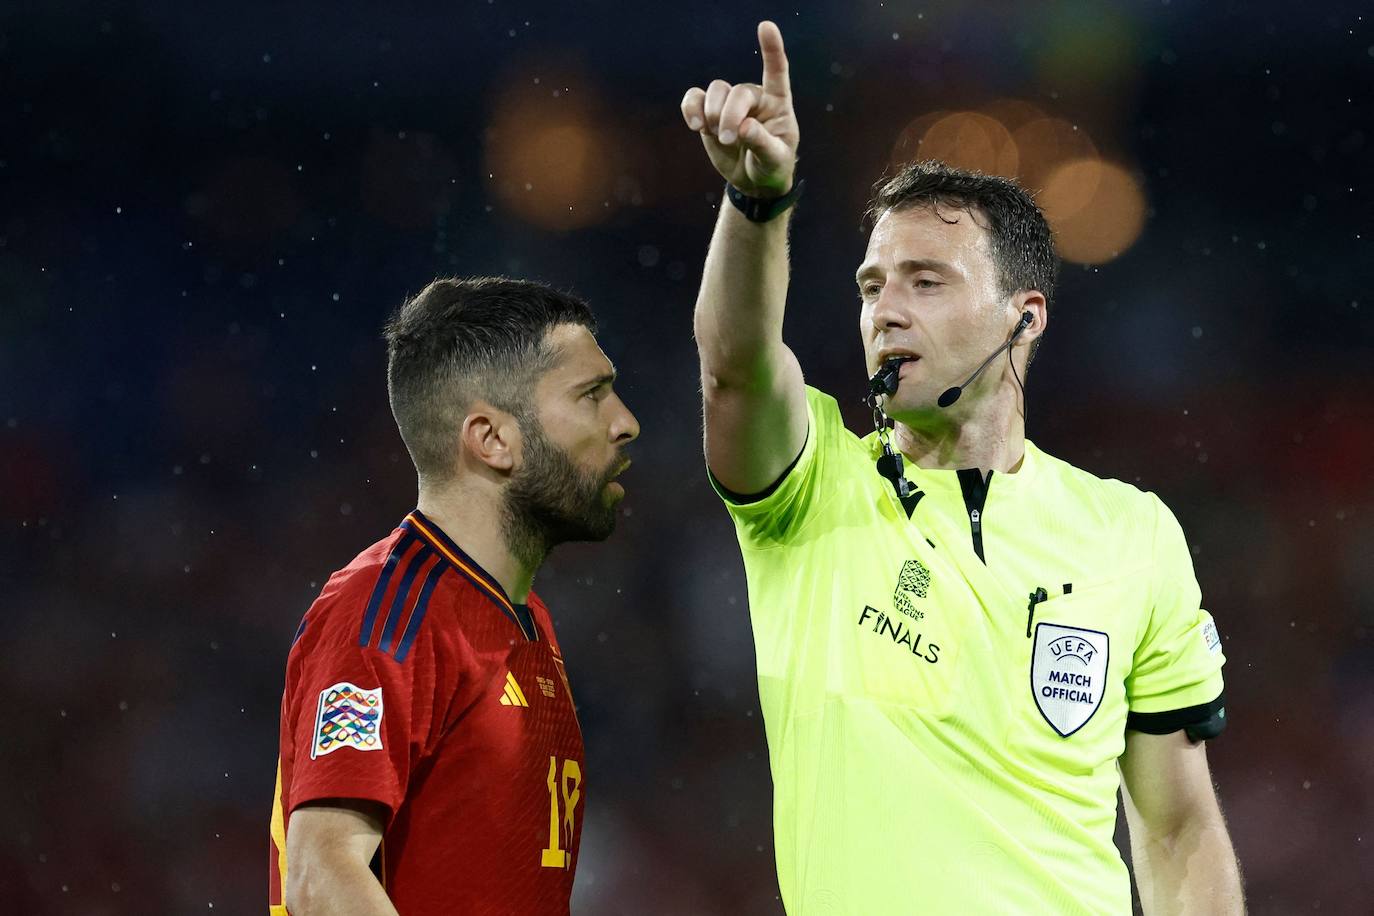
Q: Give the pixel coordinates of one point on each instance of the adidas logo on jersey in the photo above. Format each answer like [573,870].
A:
[513,695]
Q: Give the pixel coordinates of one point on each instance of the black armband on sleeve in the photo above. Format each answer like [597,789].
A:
[1202,722]
[744,499]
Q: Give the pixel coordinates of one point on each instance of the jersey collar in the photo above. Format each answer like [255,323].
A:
[937,480]
[486,583]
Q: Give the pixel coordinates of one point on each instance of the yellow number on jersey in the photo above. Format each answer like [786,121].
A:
[571,784]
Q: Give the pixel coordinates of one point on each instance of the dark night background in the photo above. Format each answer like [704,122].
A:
[206,213]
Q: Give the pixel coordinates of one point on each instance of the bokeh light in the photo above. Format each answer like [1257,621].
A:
[970,140]
[1012,113]
[1009,137]
[549,161]
[907,147]
[1096,209]
[1046,143]
[1074,51]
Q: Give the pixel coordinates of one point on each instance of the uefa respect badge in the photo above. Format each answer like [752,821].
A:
[347,716]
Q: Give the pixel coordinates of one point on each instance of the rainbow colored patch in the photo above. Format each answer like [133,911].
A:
[348,716]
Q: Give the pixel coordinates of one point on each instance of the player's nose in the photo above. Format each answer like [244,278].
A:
[624,426]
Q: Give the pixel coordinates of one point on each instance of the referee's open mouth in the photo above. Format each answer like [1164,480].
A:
[897,357]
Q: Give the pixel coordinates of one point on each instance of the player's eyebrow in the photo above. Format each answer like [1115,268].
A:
[606,378]
[908,266]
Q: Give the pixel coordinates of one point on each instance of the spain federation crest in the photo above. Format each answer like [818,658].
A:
[1068,674]
[348,716]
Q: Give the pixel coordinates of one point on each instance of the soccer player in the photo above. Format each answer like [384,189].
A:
[964,644]
[431,760]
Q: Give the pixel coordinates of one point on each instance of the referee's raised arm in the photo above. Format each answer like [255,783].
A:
[755,398]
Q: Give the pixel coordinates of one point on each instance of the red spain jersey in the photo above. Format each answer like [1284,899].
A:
[415,682]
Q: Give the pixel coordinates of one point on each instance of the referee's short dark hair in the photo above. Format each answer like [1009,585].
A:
[1022,244]
[461,339]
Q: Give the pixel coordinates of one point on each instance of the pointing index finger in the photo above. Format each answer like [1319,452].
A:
[775,80]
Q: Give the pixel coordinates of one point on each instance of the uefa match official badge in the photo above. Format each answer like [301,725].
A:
[1068,675]
[348,716]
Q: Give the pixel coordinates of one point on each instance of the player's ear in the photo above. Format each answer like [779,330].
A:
[491,436]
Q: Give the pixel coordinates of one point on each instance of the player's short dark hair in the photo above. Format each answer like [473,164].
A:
[1022,244]
[461,339]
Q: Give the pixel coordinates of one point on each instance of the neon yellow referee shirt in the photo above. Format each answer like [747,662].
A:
[946,694]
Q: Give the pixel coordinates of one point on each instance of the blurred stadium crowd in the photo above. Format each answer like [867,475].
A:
[207,212]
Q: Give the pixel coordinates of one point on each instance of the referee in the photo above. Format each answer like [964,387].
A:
[965,650]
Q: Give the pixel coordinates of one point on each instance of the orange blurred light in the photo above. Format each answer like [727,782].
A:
[1096,210]
[1046,143]
[965,139]
[1012,112]
[548,158]
[969,140]
[906,149]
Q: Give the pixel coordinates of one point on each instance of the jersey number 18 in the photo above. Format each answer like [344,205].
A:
[571,783]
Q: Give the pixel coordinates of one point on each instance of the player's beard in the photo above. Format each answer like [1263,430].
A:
[550,500]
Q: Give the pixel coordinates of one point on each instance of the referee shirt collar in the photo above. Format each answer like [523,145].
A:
[935,480]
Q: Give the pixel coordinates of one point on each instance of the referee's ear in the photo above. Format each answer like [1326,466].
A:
[1033,301]
[1028,341]
[490,440]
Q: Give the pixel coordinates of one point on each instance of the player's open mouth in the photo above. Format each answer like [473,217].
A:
[620,468]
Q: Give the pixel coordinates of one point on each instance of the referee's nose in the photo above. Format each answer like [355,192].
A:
[889,311]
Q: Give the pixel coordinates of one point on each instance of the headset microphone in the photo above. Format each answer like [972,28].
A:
[884,382]
[952,394]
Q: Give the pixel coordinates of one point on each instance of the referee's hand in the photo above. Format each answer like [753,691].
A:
[750,130]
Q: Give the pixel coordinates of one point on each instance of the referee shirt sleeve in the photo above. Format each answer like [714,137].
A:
[1175,681]
[773,516]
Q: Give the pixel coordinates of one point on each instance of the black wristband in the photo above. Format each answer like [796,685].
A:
[759,209]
